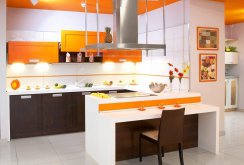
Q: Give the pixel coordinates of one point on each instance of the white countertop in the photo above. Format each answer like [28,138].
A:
[69,88]
[159,96]
[153,112]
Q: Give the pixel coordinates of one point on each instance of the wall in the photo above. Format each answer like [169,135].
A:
[209,14]
[45,25]
[237,31]
[3,96]
[176,42]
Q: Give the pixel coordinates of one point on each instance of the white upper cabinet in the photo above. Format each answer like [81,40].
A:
[231,58]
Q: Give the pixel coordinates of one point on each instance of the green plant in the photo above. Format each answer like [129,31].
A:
[231,49]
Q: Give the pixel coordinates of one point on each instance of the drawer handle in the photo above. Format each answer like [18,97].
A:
[86,93]
[33,60]
[26,97]
[112,92]
[57,95]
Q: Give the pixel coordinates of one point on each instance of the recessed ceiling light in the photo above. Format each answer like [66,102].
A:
[34,2]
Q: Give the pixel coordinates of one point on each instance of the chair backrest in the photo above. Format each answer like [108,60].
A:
[171,127]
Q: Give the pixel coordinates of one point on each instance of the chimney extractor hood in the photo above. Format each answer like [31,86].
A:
[125,28]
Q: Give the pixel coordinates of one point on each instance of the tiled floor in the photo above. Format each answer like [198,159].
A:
[69,150]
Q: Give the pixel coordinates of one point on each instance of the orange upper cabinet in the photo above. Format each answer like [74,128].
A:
[73,41]
[32,52]
[122,56]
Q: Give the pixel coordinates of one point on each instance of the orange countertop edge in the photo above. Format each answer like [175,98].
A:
[147,103]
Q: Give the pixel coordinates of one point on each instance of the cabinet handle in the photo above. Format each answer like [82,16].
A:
[86,93]
[57,95]
[26,97]
[113,92]
[33,60]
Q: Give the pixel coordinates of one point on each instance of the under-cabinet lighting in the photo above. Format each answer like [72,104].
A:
[128,66]
[17,67]
[83,4]
[42,67]
[108,66]
[34,2]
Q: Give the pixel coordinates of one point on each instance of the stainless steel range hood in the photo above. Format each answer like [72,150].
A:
[125,28]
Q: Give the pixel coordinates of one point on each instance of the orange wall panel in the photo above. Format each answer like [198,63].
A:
[26,52]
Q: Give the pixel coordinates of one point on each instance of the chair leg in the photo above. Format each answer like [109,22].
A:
[181,154]
[162,151]
[140,146]
[160,155]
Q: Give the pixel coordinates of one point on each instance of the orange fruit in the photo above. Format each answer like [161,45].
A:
[15,84]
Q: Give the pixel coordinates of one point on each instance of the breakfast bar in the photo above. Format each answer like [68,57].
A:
[113,124]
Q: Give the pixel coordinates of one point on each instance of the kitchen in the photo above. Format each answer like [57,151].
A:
[56,85]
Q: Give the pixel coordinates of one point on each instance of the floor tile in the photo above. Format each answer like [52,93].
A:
[34,151]
[8,159]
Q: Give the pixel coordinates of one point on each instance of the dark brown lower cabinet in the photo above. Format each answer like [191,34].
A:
[26,117]
[56,113]
[46,114]
[77,106]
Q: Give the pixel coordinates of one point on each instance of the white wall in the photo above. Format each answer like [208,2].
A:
[176,42]
[3,97]
[209,14]
[238,70]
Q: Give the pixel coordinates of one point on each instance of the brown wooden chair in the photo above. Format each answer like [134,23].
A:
[170,132]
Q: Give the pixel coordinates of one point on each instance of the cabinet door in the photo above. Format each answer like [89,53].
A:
[233,93]
[32,52]
[77,106]
[57,115]
[26,116]
[72,41]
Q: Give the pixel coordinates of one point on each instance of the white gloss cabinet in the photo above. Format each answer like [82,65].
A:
[231,58]
[231,93]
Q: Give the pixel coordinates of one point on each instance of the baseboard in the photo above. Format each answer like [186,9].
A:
[231,109]
[221,133]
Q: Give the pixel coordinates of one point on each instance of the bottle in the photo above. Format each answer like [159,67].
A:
[91,58]
[68,59]
[79,57]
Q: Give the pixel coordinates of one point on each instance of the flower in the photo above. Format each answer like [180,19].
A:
[176,70]
[180,76]
[170,64]
[171,73]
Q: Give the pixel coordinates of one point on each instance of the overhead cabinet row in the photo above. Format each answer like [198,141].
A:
[71,41]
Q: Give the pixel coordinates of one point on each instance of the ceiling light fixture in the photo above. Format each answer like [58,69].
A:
[34,2]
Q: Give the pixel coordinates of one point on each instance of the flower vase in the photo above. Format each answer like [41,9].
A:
[171,87]
[180,87]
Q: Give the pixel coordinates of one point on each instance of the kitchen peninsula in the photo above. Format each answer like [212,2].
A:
[114,134]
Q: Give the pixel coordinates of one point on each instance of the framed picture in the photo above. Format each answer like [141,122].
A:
[207,38]
[207,67]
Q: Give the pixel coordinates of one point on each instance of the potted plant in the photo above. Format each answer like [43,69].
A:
[231,55]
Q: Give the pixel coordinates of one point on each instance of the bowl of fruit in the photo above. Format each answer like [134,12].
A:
[157,87]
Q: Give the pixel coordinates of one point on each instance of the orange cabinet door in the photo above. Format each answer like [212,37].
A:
[122,56]
[72,41]
[32,52]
